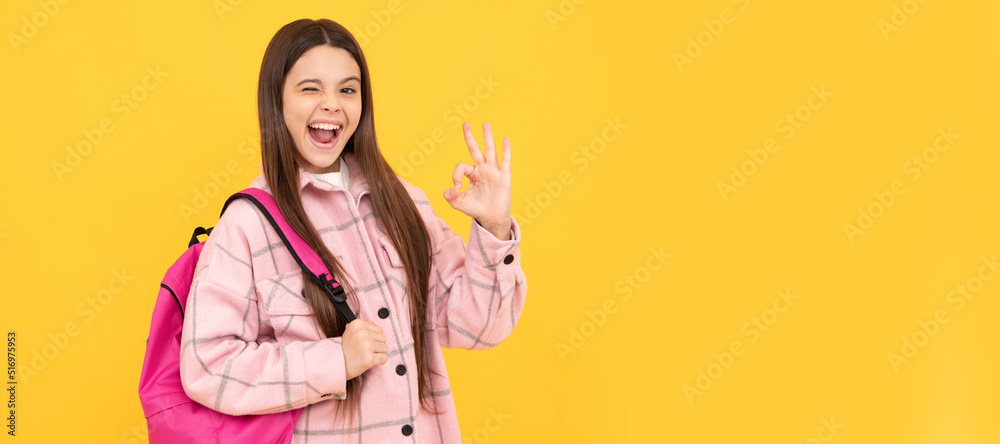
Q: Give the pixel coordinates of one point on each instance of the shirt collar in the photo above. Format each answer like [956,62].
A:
[356,182]
[357,185]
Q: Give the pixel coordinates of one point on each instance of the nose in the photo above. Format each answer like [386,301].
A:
[330,104]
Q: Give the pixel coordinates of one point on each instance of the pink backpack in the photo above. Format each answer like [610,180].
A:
[172,416]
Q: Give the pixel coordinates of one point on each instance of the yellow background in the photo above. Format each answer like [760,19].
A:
[563,69]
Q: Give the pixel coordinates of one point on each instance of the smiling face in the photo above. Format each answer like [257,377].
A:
[321,103]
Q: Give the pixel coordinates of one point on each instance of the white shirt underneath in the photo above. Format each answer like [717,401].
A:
[340,178]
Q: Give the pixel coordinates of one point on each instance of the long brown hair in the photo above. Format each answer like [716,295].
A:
[393,207]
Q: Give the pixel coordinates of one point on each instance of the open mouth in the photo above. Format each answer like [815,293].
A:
[324,135]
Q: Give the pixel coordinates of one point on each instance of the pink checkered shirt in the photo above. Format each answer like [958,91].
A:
[250,344]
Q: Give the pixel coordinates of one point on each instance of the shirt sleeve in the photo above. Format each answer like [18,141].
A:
[477,290]
[226,363]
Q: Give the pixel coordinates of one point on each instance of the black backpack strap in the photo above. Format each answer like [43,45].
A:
[310,261]
[198,232]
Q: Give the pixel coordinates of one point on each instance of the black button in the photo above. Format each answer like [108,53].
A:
[407,430]
[508,259]
[383,312]
[400,369]
[324,396]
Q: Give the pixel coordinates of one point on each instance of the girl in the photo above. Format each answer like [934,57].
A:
[258,338]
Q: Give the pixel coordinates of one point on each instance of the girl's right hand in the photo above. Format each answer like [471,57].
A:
[364,347]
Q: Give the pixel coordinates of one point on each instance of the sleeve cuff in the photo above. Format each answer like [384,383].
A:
[493,254]
[325,372]
[513,225]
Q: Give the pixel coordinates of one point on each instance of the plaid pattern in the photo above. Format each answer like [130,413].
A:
[250,344]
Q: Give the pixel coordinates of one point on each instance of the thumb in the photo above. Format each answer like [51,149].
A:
[450,194]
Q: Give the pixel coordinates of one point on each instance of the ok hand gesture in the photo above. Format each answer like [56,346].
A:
[487,199]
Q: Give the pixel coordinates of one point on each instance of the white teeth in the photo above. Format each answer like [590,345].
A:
[325,126]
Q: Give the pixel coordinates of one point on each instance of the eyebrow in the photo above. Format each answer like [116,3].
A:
[320,82]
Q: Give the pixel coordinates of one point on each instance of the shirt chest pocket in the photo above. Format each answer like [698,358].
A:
[396,275]
[389,254]
[282,303]
[392,269]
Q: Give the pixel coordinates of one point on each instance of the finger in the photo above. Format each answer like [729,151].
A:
[372,333]
[491,149]
[362,324]
[505,163]
[372,326]
[461,170]
[381,359]
[380,348]
[470,140]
